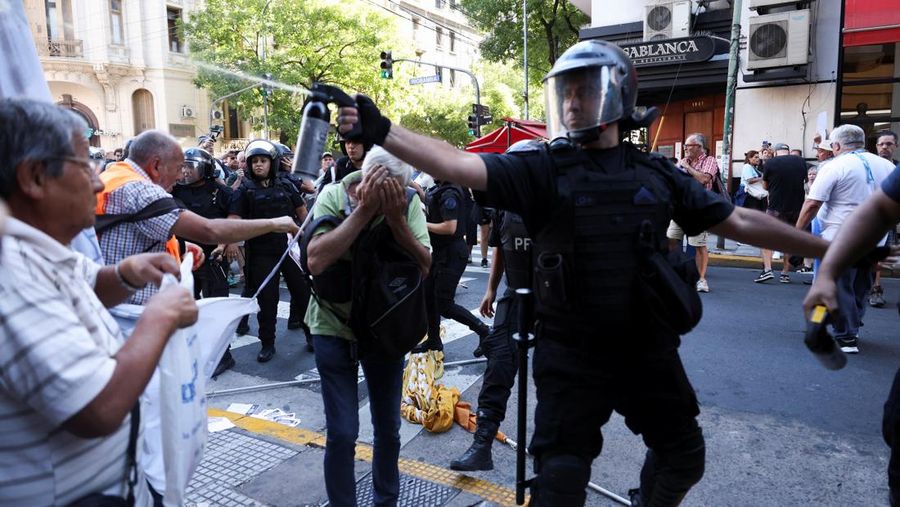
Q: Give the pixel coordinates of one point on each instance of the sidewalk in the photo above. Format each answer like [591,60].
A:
[734,254]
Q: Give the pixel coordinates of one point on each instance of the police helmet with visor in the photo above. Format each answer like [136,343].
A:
[592,85]
[264,148]
[198,165]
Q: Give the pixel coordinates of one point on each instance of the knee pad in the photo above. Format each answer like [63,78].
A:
[561,481]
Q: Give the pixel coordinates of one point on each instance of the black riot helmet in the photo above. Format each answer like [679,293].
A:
[264,148]
[592,85]
[198,165]
[285,157]
[367,145]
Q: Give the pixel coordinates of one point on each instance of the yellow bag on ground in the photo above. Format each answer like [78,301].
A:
[424,402]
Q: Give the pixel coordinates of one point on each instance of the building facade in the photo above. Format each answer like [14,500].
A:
[437,32]
[805,67]
[121,64]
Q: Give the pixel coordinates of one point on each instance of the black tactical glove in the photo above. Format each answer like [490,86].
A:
[375,127]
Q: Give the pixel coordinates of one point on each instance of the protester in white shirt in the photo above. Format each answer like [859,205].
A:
[840,187]
[68,380]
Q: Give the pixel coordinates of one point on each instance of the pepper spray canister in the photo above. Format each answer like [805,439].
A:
[311,139]
[820,343]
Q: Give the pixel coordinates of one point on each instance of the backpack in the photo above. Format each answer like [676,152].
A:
[382,281]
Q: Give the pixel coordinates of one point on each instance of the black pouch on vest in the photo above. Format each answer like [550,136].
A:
[550,279]
[668,284]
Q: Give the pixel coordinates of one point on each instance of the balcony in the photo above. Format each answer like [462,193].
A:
[61,48]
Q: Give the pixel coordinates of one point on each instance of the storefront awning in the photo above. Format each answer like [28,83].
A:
[871,22]
[511,132]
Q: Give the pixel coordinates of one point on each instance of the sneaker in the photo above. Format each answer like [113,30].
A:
[702,286]
[848,345]
[876,297]
[764,275]
[484,263]
[805,269]
[784,278]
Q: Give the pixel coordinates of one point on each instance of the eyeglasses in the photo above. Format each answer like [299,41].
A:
[85,163]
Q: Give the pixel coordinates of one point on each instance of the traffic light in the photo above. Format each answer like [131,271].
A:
[266,88]
[473,124]
[387,65]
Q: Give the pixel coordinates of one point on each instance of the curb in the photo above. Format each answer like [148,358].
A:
[735,261]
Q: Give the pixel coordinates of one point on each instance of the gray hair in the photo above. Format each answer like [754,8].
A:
[701,140]
[849,137]
[152,143]
[37,131]
[395,167]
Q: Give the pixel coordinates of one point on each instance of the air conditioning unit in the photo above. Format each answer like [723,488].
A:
[667,20]
[778,40]
[217,115]
[757,4]
[188,112]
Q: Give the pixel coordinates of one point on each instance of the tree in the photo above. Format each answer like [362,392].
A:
[297,41]
[555,23]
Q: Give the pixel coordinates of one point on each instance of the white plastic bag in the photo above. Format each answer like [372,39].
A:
[182,396]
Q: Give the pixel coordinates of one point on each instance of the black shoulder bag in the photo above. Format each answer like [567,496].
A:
[101,500]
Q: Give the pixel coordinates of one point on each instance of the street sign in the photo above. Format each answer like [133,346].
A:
[425,79]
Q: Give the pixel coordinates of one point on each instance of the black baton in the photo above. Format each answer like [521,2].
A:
[524,339]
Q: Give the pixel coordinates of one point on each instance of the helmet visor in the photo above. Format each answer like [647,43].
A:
[191,172]
[583,99]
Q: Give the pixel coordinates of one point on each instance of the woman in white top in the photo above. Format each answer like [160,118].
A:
[751,180]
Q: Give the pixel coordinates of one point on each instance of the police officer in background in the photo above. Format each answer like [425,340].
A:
[512,256]
[447,218]
[598,349]
[268,194]
[199,192]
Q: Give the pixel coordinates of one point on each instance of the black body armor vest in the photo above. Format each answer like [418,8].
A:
[586,258]
[516,246]
[273,201]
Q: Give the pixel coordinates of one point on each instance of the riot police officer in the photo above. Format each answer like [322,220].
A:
[595,208]
[447,220]
[199,192]
[512,257]
[266,194]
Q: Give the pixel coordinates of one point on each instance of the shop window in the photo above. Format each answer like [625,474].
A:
[176,40]
[115,22]
[870,89]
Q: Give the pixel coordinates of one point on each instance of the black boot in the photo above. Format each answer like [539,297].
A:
[482,332]
[266,353]
[244,326]
[478,456]
[226,363]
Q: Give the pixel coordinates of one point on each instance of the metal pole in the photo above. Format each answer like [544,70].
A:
[212,108]
[525,51]
[609,494]
[457,69]
[733,65]
[265,90]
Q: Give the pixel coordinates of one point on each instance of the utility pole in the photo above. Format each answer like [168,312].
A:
[457,69]
[525,51]
[266,76]
[733,65]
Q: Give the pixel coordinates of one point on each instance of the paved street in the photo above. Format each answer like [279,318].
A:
[780,429]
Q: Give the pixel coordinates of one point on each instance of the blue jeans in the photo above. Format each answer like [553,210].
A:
[852,288]
[335,359]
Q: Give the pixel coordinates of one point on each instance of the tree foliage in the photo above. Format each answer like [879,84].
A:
[297,41]
[552,27]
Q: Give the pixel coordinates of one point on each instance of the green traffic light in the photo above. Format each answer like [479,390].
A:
[471,132]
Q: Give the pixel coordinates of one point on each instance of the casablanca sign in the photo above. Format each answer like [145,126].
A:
[666,51]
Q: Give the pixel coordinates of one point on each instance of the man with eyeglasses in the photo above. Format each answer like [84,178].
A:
[69,379]
[886,145]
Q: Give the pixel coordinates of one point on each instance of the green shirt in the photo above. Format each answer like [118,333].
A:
[333,201]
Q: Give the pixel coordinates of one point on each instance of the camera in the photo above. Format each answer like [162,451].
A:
[214,131]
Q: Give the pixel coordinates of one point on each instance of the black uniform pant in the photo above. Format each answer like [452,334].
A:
[500,350]
[580,383]
[448,262]
[210,280]
[890,428]
[258,266]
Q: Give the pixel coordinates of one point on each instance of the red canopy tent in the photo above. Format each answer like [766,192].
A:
[512,131]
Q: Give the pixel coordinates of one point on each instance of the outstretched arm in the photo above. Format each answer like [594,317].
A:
[757,228]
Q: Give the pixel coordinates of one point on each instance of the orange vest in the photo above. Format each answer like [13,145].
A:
[115,176]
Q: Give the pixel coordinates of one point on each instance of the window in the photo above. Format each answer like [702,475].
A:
[415,23]
[52,14]
[439,37]
[870,89]
[452,42]
[452,4]
[115,21]
[438,4]
[452,77]
[176,43]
